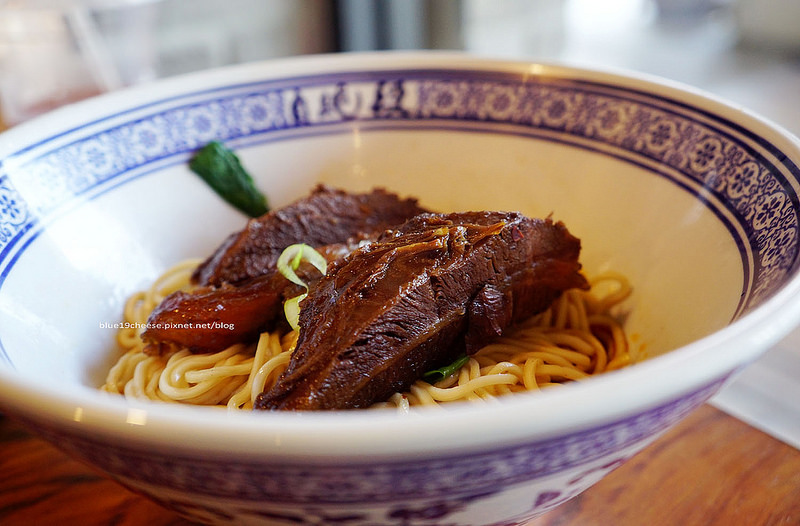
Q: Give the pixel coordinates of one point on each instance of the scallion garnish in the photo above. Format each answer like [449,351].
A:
[288,262]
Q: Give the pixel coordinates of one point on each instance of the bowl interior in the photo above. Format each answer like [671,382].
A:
[699,211]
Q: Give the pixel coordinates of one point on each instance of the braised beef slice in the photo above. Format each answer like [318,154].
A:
[243,291]
[324,217]
[213,318]
[210,319]
[416,299]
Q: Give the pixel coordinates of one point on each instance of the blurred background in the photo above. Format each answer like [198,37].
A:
[53,52]
[56,51]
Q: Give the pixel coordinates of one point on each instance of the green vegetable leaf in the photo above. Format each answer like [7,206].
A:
[218,166]
[441,373]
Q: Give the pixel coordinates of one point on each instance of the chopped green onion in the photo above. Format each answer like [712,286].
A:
[221,169]
[288,262]
[291,309]
[293,255]
[437,375]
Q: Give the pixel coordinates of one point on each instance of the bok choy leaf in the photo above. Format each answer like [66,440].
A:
[441,373]
[221,169]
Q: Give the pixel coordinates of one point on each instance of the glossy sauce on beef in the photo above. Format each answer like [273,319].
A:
[427,291]
[324,217]
[241,292]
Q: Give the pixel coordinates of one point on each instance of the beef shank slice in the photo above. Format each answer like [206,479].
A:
[324,217]
[435,287]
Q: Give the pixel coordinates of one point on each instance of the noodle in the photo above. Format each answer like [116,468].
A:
[577,337]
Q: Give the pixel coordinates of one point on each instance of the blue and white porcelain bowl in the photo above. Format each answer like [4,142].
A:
[694,200]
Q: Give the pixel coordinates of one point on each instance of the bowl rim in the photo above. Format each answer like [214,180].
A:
[360,433]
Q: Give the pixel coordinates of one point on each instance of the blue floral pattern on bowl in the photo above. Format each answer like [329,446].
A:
[741,177]
[385,493]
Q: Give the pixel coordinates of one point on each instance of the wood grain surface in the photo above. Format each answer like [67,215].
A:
[711,469]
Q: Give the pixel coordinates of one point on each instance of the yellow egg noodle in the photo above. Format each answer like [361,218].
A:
[575,338]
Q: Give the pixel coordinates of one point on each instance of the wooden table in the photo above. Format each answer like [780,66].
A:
[710,470]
